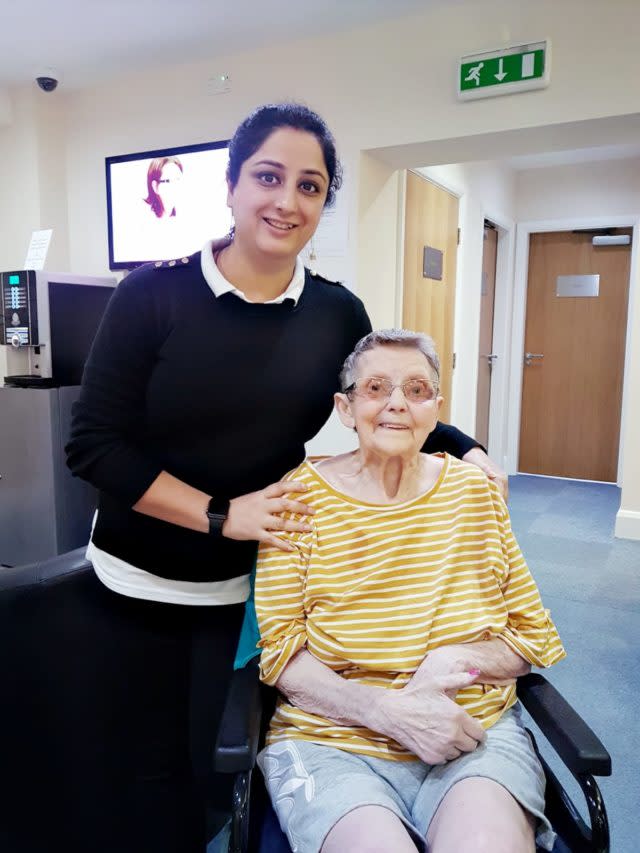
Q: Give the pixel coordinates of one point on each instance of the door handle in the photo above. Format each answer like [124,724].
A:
[491,357]
[529,356]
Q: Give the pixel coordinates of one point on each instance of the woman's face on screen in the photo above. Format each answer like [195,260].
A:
[280,194]
[168,188]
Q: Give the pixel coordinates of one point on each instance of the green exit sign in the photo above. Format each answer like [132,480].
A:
[502,72]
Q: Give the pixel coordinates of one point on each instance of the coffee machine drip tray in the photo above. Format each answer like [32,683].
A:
[29,381]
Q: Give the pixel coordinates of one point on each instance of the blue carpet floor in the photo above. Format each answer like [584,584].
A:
[591,583]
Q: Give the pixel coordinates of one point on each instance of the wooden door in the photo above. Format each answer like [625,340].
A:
[572,381]
[431,220]
[486,356]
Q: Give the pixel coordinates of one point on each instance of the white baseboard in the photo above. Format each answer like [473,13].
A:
[627,524]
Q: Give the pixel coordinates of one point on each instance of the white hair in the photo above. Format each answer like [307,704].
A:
[389,337]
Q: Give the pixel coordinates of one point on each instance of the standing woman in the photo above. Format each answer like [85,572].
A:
[206,378]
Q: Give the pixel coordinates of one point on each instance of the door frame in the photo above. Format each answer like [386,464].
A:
[498,404]
[520,281]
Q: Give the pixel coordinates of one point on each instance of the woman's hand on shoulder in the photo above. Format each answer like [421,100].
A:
[259,515]
[476,456]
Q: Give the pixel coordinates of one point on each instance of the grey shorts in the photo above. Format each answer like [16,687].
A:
[313,785]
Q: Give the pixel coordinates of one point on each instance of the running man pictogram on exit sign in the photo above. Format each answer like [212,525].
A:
[502,72]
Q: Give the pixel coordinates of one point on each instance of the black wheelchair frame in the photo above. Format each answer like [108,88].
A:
[574,742]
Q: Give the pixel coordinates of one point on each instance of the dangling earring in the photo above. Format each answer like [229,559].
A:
[231,233]
[312,250]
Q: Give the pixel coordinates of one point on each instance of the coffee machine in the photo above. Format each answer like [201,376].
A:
[47,325]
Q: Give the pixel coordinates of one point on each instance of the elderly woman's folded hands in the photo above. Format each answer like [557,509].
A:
[423,717]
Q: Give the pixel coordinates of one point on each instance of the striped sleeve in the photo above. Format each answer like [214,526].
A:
[530,631]
[279,600]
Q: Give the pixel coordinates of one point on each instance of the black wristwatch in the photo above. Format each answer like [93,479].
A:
[217,512]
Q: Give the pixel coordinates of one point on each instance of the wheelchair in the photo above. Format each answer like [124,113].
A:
[73,777]
[255,828]
[57,709]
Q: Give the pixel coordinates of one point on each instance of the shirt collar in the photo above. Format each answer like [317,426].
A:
[219,284]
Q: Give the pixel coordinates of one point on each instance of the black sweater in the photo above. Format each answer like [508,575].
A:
[219,392]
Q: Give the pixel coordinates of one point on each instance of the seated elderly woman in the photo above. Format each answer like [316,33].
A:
[394,631]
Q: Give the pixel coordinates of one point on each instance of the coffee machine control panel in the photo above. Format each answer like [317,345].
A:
[19,317]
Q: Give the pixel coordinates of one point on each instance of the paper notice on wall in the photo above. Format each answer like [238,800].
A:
[38,248]
[331,239]
[332,235]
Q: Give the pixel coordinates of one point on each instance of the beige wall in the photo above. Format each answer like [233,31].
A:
[608,188]
[6,112]
[51,168]
[379,249]
[33,175]
[33,181]
[628,520]
[19,206]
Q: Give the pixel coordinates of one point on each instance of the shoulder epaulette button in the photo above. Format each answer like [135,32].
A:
[172,263]
[315,274]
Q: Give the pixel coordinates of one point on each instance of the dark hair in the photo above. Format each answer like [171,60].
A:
[262,122]
[154,173]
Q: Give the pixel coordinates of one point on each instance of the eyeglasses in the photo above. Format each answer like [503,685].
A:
[375,388]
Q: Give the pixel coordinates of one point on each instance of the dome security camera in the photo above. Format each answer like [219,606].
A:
[47,84]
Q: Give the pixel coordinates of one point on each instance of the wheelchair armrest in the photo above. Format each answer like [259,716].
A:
[566,731]
[239,733]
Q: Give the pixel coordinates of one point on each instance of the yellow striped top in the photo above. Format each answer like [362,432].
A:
[372,589]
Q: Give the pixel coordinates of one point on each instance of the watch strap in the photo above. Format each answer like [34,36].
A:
[217,512]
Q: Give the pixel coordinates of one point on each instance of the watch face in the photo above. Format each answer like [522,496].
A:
[218,506]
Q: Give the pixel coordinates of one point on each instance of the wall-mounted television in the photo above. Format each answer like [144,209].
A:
[165,204]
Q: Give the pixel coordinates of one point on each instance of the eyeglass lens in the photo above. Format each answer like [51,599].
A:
[415,390]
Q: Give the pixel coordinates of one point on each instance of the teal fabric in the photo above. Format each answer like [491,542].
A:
[250,633]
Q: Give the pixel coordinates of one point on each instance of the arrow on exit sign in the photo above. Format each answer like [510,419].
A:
[501,72]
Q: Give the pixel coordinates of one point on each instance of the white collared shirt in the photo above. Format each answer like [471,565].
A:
[219,284]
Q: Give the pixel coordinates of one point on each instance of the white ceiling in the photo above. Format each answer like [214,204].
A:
[82,42]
